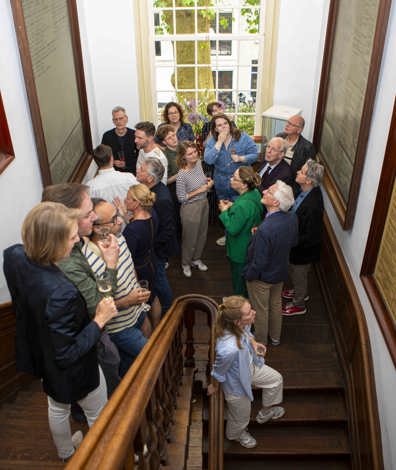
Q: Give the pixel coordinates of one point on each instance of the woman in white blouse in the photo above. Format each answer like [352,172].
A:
[191,188]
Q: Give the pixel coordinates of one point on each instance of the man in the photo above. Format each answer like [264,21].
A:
[268,258]
[167,137]
[274,167]
[130,328]
[150,173]
[109,184]
[300,149]
[77,269]
[144,139]
[121,139]
[309,210]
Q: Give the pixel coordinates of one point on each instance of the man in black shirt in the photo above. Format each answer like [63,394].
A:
[121,139]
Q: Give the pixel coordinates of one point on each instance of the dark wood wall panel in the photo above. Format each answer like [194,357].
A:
[353,344]
[10,379]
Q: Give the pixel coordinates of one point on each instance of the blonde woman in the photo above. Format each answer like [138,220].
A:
[191,188]
[239,365]
[55,338]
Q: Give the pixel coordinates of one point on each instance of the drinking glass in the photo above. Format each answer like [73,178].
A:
[103,283]
[144,286]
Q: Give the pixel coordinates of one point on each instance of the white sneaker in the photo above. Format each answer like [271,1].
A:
[221,241]
[276,412]
[186,270]
[76,438]
[247,440]
[198,264]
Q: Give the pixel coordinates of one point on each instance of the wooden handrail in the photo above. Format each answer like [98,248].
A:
[134,422]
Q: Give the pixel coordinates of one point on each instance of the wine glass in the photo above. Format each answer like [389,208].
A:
[144,286]
[104,284]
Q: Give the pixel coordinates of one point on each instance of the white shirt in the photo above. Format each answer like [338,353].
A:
[155,153]
[110,183]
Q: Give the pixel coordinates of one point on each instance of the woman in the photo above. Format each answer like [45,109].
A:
[238,219]
[55,338]
[141,231]
[240,364]
[191,188]
[173,114]
[227,149]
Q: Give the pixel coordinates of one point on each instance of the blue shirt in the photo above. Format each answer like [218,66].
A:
[232,365]
[299,200]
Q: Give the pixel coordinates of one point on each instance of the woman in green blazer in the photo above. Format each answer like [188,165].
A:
[238,218]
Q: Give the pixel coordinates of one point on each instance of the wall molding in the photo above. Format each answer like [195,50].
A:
[353,346]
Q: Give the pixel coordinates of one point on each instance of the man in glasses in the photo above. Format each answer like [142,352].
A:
[131,327]
[299,148]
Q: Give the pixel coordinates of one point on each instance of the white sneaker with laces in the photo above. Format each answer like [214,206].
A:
[275,412]
[186,270]
[199,264]
[247,440]
[76,438]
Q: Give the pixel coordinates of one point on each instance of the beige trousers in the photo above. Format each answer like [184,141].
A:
[239,408]
[194,219]
[266,299]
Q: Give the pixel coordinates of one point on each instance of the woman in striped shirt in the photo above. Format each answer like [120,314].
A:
[191,188]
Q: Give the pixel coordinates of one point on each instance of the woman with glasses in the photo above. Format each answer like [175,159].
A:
[55,337]
[191,188]
[173,114]
[238,218]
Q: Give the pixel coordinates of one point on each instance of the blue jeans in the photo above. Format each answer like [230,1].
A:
[161,287]
[129,343]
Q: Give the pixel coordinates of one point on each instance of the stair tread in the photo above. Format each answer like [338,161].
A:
[293,463]
[296,440]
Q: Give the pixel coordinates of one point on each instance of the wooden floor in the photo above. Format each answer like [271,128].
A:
[306,358]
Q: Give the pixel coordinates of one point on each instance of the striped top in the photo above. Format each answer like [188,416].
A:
[126,281]
[188,181]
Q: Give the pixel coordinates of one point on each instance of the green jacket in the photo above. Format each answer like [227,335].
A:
[79,272]
[245,213]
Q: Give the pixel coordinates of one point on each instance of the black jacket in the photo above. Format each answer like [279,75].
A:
[281,172]
[55,339]
[310,228]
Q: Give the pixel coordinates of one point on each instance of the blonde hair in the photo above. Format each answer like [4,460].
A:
[141,193]
[46,231]
[230,311]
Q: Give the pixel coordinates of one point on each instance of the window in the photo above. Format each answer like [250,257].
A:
[207,51]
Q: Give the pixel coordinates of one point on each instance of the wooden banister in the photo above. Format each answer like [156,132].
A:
[132,429]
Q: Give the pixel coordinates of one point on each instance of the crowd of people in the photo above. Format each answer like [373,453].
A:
[89,283]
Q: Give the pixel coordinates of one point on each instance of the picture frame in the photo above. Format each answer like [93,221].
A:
[353,51]
[378,270]
[6,148]
[50,50]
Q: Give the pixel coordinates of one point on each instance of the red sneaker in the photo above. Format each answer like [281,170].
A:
[291,310]
[288,294]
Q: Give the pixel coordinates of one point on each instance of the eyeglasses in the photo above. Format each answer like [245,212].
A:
[112,221]
[173,112]
[291,124]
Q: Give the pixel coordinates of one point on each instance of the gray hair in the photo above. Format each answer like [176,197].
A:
[283,143]
[118,108]
[155,168]
[315,172]
[284,195]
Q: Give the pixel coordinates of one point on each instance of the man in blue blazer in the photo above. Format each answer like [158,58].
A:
[275,167]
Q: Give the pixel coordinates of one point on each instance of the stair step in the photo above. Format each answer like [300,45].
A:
[292,463]
[279,441]
[304,406]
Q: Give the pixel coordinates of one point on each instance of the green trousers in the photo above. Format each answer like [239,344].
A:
[238,283]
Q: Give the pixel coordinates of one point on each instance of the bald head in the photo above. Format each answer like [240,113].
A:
[294,126]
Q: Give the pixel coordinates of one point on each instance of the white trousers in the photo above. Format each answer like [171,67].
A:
[59,414]
[239,408]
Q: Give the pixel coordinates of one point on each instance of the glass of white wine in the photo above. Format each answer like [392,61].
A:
[104,285]
[144,286]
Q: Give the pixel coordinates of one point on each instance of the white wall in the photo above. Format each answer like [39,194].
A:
[20,184]
[302,28]
[108,43]
[353,242]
